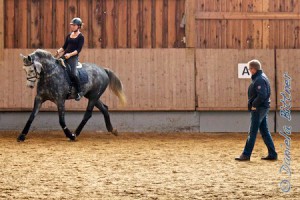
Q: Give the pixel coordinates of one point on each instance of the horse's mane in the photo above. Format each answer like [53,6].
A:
[43,54]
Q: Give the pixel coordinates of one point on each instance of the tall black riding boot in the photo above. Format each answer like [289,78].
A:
[72,61]
[78,88]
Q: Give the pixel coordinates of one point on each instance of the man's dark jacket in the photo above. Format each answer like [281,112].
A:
[259,91]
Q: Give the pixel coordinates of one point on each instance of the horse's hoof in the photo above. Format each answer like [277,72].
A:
[115,132]
[21,138]
[72,137]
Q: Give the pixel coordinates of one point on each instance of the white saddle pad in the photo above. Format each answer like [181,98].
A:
[79,65]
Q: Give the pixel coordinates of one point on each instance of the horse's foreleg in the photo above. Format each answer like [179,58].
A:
[86,117]
[104,109]
[37,104]
[61,113]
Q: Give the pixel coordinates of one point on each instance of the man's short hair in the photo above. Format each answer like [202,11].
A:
[254,64]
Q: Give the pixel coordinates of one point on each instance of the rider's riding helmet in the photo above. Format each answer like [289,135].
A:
[77,21]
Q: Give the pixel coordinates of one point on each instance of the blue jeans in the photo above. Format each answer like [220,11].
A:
[259,121]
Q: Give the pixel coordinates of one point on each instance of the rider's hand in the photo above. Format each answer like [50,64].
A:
[249,107]
[67,55]
[56,54]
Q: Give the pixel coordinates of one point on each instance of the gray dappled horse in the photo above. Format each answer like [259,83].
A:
[52,85]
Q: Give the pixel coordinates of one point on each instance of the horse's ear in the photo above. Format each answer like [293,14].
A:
[38,66]
[29,58]
[24,58]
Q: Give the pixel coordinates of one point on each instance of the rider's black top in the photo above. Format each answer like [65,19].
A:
[72,44]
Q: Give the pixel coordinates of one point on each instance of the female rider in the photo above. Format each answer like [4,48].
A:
[71,49]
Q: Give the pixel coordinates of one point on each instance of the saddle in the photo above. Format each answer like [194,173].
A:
[82,73]
[65,64]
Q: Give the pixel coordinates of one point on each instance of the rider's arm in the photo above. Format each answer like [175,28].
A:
[59,50]
[74,53]
[66,42]
[80,43]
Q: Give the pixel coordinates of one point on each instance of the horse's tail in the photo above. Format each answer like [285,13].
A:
[116,86]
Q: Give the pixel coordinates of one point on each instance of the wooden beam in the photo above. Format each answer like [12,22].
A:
[1,31]
[190,31]
[246,16]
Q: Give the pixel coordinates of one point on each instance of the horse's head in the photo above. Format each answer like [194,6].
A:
[32,68]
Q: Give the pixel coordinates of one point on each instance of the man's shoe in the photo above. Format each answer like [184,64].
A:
[243,158]
[269,158]
[78,96]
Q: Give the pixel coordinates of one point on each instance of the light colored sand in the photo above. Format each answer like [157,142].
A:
[140,166]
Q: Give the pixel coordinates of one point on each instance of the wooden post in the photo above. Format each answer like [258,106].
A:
[190,31]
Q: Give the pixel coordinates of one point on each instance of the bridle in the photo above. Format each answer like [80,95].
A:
[36,76]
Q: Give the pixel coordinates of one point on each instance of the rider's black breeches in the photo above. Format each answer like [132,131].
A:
[73,62]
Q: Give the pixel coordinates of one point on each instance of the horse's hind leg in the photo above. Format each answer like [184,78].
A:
[104,109]
[37,104]
[86,117]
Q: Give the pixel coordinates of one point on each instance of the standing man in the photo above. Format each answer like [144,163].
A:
[259,93]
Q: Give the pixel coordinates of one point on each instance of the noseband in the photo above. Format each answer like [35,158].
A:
[36,76]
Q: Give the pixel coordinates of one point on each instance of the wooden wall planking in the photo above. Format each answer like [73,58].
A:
[163,79]
[122,24]
[60,32]
[247,24]
[190,30]
[179,41]
[2,7]
[83,12]
[47,34]
[171,23]
[96,25]
[35,24]
[108,23]
[239,24]
[21,27]
[288,62]
[4,84]
[72,11]
[133,29]
[147,21]
[146,84]
[217,83]
[9,27]
[2,29]
[154,79]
